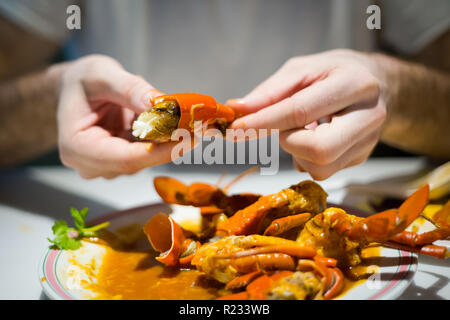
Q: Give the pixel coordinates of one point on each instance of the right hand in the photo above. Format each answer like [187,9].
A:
[98,101]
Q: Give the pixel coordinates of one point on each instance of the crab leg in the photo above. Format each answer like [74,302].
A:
[249,219]
[333,279]
[440,252]
[278,244]
[243,280]
[255,290]
[257,287]
[298,251]
[431,250]
[283,224]
[267,262]
[328,262]
[320,266]
[337,284]
[306,196]
[417,239]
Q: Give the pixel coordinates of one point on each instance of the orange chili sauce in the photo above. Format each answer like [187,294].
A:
[370,256]
[137,276]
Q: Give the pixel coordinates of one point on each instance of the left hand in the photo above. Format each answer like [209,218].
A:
[329,108]
[98,101]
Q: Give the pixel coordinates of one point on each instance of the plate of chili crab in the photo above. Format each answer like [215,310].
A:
[203,243]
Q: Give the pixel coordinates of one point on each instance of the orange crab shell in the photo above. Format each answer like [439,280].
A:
[197,107]
[165,236]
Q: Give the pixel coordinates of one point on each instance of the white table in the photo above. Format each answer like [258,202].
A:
[31,199]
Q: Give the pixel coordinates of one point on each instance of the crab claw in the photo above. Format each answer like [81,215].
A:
[174,191]
[414,205]
[168,189]
[198,107]
[384,225]
[442,217]
[165,236]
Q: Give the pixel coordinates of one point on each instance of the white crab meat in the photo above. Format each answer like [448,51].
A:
[145,123]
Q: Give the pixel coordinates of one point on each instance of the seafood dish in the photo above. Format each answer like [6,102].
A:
[286,245]
[180,111]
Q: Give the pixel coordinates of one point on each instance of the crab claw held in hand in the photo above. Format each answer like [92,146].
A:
[179,111]
[167,237]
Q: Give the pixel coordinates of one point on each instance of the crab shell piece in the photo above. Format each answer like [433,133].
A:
[197,107]
[165,236]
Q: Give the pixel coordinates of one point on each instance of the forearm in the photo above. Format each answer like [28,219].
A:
[28,115]
[418,107]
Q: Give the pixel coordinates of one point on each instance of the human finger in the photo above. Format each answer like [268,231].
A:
[283,83]
[329,141]
[96,148]
[357,154]
[318,100]
[128,90]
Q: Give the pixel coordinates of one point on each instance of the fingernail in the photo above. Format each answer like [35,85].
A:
[238,124]
[236,101]
[149,146]
[148,99]
[312,125]
[155,92]
[150,96]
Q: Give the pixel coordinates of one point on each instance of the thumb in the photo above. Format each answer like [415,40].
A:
[131,91]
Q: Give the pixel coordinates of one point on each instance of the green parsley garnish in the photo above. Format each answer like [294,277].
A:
[67,238]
